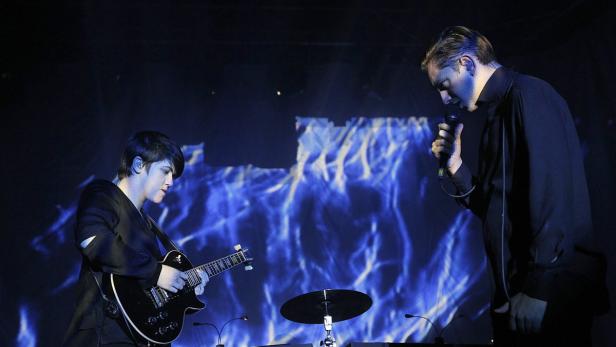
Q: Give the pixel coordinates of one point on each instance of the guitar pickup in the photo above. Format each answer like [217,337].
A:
[158,296]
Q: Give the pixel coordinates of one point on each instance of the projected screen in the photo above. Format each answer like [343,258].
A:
[360,209]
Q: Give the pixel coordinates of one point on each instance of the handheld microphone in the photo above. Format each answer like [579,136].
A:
[452,120]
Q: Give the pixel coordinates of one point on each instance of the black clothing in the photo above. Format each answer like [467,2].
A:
[124,244]
[531,168]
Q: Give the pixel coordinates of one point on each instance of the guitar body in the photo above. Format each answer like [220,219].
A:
[155,314]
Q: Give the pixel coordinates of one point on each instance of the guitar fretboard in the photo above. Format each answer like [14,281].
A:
[215,267]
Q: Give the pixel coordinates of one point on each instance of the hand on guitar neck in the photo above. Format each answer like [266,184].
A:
[172,279]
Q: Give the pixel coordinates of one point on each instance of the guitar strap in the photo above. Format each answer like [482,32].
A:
[166,241]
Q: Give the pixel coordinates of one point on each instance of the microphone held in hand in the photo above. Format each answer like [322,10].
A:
[452,120]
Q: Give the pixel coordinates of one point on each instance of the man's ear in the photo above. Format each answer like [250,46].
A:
[137,165]
[468,63]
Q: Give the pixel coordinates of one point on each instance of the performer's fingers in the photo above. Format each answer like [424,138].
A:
[446,149]
[503,309]
[512,323]
[445,135]
[444,126]
[436,153]
[442,142]
[204,277]
[440,146]
[524,325]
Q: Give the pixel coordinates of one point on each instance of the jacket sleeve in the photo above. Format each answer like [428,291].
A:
[548,161]
[465,182]
[98,216]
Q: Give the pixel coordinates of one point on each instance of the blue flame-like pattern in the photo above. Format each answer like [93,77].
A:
[26,336]
[346,215]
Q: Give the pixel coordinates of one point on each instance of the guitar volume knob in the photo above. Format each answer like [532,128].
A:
[163,315]
[152,320]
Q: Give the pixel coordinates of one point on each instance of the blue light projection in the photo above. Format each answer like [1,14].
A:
[27,330]
[347,215]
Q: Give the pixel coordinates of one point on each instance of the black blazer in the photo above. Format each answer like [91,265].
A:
[124,244]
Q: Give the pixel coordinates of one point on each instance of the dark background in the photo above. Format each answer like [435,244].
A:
[77,78]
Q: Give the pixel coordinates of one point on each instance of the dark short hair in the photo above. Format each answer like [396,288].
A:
[457,40]
[151,146]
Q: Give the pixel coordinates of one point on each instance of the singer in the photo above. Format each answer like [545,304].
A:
[529,191]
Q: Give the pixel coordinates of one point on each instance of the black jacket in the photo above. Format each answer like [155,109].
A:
[124,244]
[531,168]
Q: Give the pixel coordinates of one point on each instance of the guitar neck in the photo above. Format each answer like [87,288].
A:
[221,265]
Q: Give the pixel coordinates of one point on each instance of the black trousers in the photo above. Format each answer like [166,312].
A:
[573,330]
[567,320]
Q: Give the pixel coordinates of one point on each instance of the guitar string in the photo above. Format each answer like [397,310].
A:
[212,270]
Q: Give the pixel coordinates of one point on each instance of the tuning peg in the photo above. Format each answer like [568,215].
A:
[248,265]
[237,247]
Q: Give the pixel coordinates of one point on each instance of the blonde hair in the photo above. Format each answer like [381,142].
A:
[453,42]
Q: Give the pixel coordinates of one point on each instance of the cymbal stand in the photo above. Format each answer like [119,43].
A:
[329,340]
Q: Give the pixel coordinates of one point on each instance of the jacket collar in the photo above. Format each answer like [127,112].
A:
[497,86]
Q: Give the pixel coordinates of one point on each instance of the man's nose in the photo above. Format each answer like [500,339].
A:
[445,97]
[170,179]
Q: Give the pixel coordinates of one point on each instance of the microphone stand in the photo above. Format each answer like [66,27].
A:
[438,340]
[219,332]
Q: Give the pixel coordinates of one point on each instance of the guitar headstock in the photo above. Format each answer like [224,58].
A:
[248,261]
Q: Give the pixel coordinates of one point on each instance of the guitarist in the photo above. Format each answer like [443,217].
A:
[115,236]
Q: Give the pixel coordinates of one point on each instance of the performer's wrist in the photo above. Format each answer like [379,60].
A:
[454,167]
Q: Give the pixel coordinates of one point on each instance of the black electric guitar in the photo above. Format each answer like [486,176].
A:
[157,315]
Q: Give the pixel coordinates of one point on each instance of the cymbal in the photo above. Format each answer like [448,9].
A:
[341,304]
